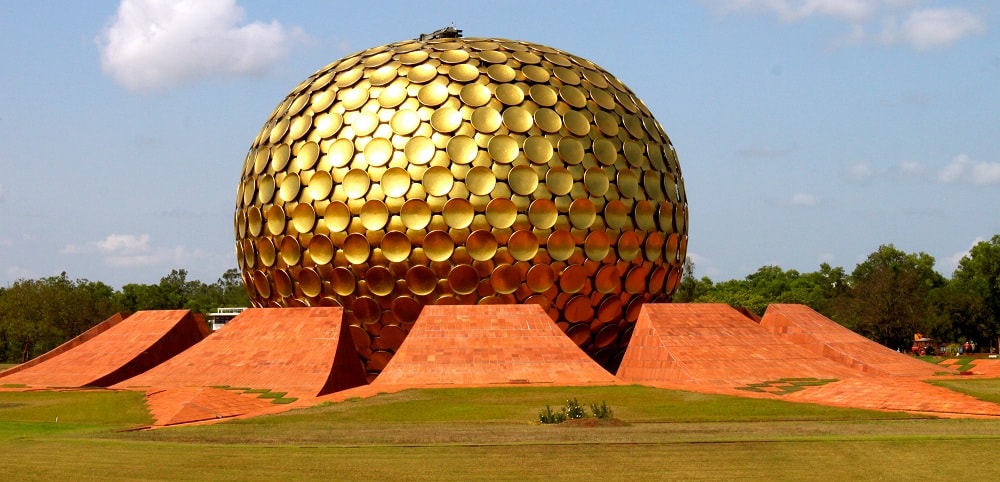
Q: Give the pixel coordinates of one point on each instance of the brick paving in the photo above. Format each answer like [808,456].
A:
[805,327]
[109,354]
[488,345]
[303,352]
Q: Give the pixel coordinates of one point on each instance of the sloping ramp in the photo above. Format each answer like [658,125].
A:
[488,344]
[714,344]
[114,350]
[303,352]
[72,343]
[805,327]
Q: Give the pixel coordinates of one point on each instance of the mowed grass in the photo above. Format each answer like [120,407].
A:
[491,434]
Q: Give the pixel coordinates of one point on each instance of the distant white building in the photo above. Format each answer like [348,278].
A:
[221,316]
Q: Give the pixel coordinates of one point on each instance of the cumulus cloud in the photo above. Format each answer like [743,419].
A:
[932,27]
[895,21]
[132,251]
[963,170]
[154,44]
[803,199]
[860,171]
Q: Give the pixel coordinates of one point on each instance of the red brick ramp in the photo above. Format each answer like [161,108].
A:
[73,343]
[713,344]
[303,352]
[488,344]
[119,350]
[805,327]
[199,404]
[896,394]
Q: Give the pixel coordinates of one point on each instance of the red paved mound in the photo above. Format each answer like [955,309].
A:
[488,344]
[301,351]
[73,343]
[198,404]
[106,355]
[802,325]
[714,344]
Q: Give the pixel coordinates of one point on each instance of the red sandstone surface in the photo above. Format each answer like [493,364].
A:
[303,352]
[805,327]
[713,344]
[488,344]
[113,351]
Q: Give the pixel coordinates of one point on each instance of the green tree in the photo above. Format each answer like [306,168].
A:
[978,275]
[888,297]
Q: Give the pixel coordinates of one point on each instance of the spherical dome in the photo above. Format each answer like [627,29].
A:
[463,171]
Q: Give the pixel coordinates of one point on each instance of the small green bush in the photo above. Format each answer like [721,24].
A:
[602,411]
[548,416]
[573,410]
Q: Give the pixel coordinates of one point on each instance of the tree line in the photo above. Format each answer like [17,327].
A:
[889,297]
[36,315]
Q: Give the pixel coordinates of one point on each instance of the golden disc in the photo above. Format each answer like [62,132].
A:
[378,152]
[282,283]
[597,245]
[573,96]
[505,279]
[415,214]
[548,120]
[523,245]
[538,149]
[540,278]
[607,280]
[500,73]
[356,183]
[266,251]
[615,214]
[628,246]
[365,123]
[412,58]
[303,218]
[275,220]
[536,74]
[543,95]
[341,152]
[289,189]
[568,76]
[356,248]
[503,149]
[261,284]
[445,120]
[582,213]
[526,57]
[559,181]
[666,217]
[321,249]
[279,157]
[420,280]
[255,221]
[265,188]
[560,245]
[475,95]
[486,119]
[395,182]
[509,94]
[517,119]
[628,183]
[571,151]
[501,213]
[432,95]
[462,149]
[438,245]
[577,123]
[382,75]
[606,151]
[542,213]
[374,215]
[366,310]
[481,245]
[645,216]
[392,96]
[354,98]
[422,73]
[307,156]
[320,185]
[493,56]
[458,213]
[454,56]
[654,246]
[523,180]
[480,180]
[463,73]
[342,281]
[396,246]
[404,122]
[463,279]
[437,180]
[635,280]
[380,281]
[337,216]
[290,250]
[419,150]
[573,279]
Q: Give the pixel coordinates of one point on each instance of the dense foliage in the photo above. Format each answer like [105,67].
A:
[888,297]
[38,315]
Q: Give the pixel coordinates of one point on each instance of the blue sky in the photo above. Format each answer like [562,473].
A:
[808,131]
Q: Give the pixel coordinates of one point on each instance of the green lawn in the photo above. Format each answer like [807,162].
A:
[490,433]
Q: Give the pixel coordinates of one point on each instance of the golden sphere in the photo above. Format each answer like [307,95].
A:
[463,171]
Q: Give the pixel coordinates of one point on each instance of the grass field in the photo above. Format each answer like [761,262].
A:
[469,434]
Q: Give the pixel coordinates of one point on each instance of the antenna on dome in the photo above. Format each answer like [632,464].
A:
[447,32]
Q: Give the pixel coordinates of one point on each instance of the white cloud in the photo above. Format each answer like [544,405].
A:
[131,251]
[949,264]
[860,171]
[933,27]
[922,28]
[803,199]
[963,170]
[153,44]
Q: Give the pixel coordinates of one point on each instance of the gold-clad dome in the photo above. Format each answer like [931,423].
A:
[463,171]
